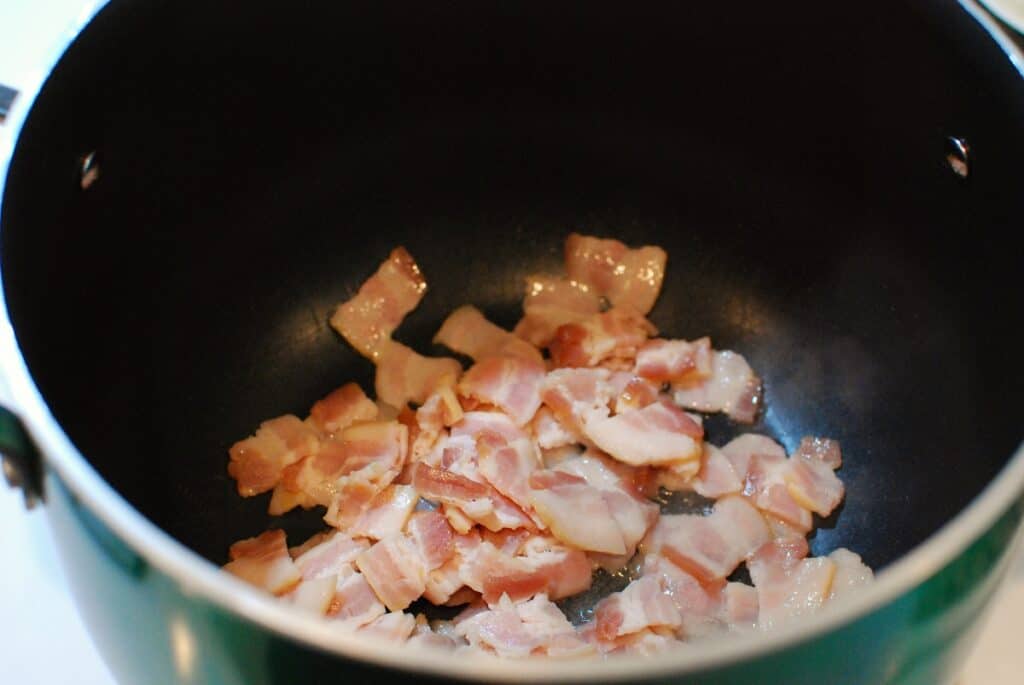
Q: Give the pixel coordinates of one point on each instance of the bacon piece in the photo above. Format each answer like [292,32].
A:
[550,302]
[424,637]
[573,395]
[468,332]
[813,484]
[519,630]
[405,376]
[824,450]
[394,627]
[341,408]
[542,566]
[330,556]
[395,571]
[314,596]
[632,392]
[433,537]
[507,466]
[549,432]
[441,409]
[264,561]
[615,334]
[475,423]
[657,434]
[851,573]
[710,547]
[739,450]
[386,514]
[766,487]
[367,320]
[510,383]
[732,388]
[444,582]
[625,276]
[639,606]
[717,476]
[673,361]
[257,462]
[355,603]
[479,501]
[788,584]
[575,513]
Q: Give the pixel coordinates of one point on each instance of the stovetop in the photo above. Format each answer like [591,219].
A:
[42,638]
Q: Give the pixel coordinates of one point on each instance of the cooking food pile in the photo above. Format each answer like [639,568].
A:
[504,487]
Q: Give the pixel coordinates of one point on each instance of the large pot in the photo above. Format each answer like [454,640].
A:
[198,184]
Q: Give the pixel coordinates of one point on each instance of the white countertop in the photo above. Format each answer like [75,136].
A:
[42,639]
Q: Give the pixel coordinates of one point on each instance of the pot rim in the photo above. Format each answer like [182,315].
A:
[203,580]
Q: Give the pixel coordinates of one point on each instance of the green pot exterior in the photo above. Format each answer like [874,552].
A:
[150,631]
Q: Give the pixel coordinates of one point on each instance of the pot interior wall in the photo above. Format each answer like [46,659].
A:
[257,162]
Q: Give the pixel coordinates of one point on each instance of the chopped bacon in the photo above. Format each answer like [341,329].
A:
[625,276]
[424,637]
[386,513]
[510,383]
[433,536]
[766,487]
[823,449]
[474,423]
[789,585]
[632,392]
[732,388]
[716,476]
[851,573]
[639,606]
[395,571]
[264,561]
[468,332]
[549,432]
[257,462]
[394,627]
[479,501]
[813,484]
[615,334]
[657,434]
[442,409]
[573,395]
[710,547]
[355,603]
[739,450]
[674,361]
[367,320]
[314,596]
[404,375]
[575,512]
[542,565]
[519,630]
[551,302]
[341,408]
[329,556]
[507,466]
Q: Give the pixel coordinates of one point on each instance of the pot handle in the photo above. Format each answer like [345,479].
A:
[22,465]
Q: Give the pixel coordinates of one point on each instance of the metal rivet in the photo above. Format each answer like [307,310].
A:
[958,156]
[88,169]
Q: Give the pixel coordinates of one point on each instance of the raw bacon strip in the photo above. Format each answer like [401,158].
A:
[468,332]
[789,585]
[657,434]
[615,334]
[851,573]
[551,302]
[330,556]
[822,449]
[367,320]
[341,408]
[433,537]
[257,462]
[673,361]
[716,477]
[395,571]
[710,547]
[387,513]
[625,276]
[732,388]
[510,383]
[641,605]
[404,375]
[264,562]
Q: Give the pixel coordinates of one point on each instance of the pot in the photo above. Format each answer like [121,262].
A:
[195,187]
